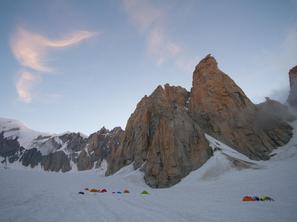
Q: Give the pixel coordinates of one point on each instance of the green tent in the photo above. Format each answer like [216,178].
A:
[145,192]
[266,198]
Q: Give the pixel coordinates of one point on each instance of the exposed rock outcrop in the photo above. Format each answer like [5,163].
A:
[31,157]
[165,134]
[223,110]
[84,161]
[9,147]
[161,136]
[75,141]
[292,99]
[56,161]
[56,152]
[100,145]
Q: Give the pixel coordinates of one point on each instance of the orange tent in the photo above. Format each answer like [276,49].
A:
[93,190]
[126,191]
[247,198]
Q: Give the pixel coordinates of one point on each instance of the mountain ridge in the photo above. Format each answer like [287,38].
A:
[165,135]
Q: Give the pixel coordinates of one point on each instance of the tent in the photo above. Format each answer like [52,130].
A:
[247,198]
[126,191]
[81,192]
[266,198]
[145,192]
[93,190]
[256,198]
[103,191]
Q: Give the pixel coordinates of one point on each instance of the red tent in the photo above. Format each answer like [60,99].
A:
[247,198]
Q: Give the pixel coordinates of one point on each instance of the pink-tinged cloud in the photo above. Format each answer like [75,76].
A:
[161,47]
[155,46]
[149,20]
[30,48]
[143,13]
[24,86]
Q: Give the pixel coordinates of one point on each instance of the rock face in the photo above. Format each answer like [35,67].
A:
[31,157]
[293,87]
[223,110]
[9,147]
[162,138]
[165,135]
[56,161]
[54,153]
[75,142]
[57,152]
[100,146]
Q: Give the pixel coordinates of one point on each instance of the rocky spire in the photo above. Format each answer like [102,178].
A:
[292,99]
[215,93]
[223,110]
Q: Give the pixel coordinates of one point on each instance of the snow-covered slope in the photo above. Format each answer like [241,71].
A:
[16,129]
[211,193]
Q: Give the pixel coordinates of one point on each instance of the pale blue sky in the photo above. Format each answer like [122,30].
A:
[95,78]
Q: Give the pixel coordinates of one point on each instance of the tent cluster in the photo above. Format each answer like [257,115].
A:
[120,192]
[255,198]
[94,190]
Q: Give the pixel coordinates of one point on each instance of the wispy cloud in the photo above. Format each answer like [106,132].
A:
[160,47]
[24,85]
[150,21]
[31,50]
[143,13]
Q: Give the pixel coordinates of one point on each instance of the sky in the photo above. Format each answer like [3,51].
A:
[69,65]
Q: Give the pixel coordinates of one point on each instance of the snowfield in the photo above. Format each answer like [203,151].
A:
[211,193]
